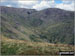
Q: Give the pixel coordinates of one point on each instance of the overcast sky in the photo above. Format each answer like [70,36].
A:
[39,4]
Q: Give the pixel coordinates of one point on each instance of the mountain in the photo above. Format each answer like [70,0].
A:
[50,25]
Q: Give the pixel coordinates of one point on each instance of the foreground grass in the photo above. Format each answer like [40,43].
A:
[18,47]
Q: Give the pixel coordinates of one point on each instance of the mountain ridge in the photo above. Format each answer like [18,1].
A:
[48,25]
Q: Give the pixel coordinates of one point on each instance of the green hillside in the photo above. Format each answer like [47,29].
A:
[27,31]
[50,25]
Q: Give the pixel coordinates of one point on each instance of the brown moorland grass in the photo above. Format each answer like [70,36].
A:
[20,47]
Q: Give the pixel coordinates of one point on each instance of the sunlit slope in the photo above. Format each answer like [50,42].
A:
[19,47]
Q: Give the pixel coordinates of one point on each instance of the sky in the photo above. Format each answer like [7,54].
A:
[39,4]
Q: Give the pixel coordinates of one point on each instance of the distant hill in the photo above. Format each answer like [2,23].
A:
[51,25]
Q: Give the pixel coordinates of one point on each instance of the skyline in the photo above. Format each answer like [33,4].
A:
[39,4]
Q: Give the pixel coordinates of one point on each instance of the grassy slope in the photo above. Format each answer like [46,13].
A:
[11,30]
[19,47]
[23,32]
[49,25]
